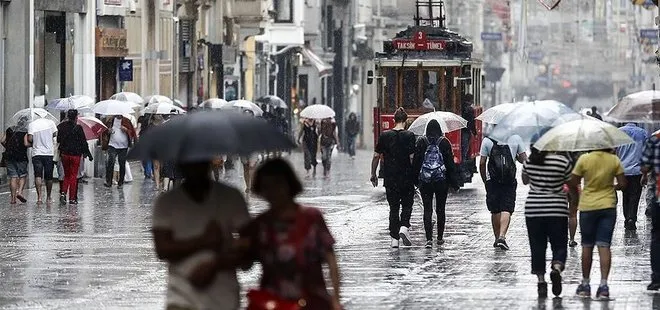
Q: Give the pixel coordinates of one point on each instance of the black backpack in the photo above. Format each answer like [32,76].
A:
[501,165]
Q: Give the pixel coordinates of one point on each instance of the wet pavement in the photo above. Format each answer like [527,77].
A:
[98,255]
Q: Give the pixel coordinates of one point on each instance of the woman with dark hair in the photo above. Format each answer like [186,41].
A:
[436,172]
[73,147]
[16,159]
[546,214]
[291,242]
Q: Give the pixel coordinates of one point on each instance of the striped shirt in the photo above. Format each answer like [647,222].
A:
[546,196]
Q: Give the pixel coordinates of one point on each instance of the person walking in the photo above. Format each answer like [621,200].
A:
[434,164]
[16,158]
[396,148]
[651,177]
[308,137]
[328,139]
[546,214]
[143,126]
[72,146]
[43,151]
[352,130]
[157,120]
[117,139]
[631,157]
[292,243]
[497,168]
[597,208]
[470,131]
[192,229]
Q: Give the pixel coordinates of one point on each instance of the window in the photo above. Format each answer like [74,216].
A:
[283,11]
[409,86]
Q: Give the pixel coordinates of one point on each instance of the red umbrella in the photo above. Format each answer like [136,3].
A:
[92,126]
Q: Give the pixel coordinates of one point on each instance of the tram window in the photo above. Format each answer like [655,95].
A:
[409,85]
[390,89]
[431,80]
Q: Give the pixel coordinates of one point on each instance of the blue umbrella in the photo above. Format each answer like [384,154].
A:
[529,120]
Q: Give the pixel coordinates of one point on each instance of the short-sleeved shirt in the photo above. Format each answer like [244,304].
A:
[15,146]
[187,219]
[42,142]
[292,258]
[397,146]
[631,154]
[546,196]
[599,169]
[651,159]
[514,143]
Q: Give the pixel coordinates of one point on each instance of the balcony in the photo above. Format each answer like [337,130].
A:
[247,12]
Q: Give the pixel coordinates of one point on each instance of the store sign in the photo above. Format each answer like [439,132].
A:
[420,42]
[111,42]
[112,2]
[125,70]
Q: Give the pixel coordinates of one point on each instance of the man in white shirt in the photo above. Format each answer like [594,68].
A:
[121,132]
[43,150]
[193,227]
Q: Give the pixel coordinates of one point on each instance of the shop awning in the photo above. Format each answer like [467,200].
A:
[323,67]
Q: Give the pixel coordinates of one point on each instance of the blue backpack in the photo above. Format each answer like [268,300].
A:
[433,167]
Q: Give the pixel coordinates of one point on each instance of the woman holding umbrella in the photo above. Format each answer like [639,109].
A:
[308,138]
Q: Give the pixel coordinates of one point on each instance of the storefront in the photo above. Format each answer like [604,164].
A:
[111,47]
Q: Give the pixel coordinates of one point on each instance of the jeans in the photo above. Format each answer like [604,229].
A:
[400,197]
[70,163]
[113,154]
[650,196]
[597,227]
[631,195]
[351,145]
[148,167]
[655,243]
[540,230]
[465,145]
[43,167]
[440,189]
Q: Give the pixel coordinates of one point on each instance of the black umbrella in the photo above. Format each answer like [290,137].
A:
[273,101]
[204,136]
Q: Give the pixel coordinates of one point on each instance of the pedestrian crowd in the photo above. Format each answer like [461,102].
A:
[565,188]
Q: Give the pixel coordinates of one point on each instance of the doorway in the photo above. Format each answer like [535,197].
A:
[106,77]
[54,55]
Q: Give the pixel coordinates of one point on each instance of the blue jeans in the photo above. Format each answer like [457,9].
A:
[148,167]
[351,145]
[597,227]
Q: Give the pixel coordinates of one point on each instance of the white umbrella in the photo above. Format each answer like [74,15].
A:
[112,107]
[529,120]
[128,96]
[641,107]
[448,122]
[77,102]
[214,103]
[24,117]
[496,113]
[41,125]
[317,111]
[163,108]
[245,105]
[178,103]
[582,135]
[158,99]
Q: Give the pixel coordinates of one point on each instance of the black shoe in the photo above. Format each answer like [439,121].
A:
[542,289]
[62,199]
[572,244]
[106,184]
[495,243]
[630,225]
[555,277]
[654,286]
[120,185]
[73,202]
[501,243]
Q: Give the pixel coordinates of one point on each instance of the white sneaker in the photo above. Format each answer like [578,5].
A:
[405,237]
[395,243]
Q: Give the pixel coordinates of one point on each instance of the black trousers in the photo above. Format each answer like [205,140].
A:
[540,230]
[400,197]
[655,242]
[631,195]
[440,191]
[115,154]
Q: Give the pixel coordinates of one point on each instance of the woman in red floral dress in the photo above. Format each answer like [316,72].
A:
[292,243]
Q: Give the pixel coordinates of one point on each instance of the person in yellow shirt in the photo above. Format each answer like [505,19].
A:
[597,208]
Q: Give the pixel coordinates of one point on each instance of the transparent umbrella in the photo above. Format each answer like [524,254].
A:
[24,117]
[77,102]
[244,105]
[317,111]
[214,104]
[128,96]
[448,122]
[158,99]
[640,107]
[529,120]
[163,108]
[113,107]
[496,113]
[274,101]
[582,135]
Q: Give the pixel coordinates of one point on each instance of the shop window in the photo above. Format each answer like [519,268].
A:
[410,87]
[283,11]
[431,90]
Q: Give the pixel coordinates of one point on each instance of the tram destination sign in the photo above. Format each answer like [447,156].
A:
[420,42]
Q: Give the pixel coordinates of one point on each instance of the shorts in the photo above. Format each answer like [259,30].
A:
[597,227]
[43,167]
[17,169]
[500,197]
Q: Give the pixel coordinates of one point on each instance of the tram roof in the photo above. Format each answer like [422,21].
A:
[426,62]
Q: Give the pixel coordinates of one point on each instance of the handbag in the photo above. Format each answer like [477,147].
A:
[259,299]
